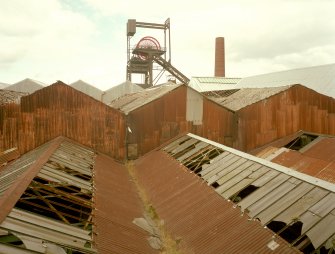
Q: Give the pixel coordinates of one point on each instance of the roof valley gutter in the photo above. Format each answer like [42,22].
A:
[310,179]
[12,194]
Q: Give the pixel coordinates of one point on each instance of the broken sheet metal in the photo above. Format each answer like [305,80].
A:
[282,199]
[8,96]
[55,211]
[199,220]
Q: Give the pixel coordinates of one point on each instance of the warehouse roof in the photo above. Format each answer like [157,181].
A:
[294,205]
[8,96]
[246,96]
[46,199]
[3,85]
[119,91]
[319,78]
[205,84]
[130,102]
[310,153]
[26,86]
[87,89]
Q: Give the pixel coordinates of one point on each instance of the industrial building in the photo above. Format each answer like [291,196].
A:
[163,168]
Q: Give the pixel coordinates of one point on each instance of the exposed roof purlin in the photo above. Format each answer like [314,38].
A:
[14,192]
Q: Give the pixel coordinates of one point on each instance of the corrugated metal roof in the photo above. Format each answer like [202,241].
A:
[119,91]
[117,205]
[133,101]
[26,86]
[205,84]
[248,96]
[199,220]
[319,78]
[87,89]
[281,198]
[315,159]
[8,96]
[46,197]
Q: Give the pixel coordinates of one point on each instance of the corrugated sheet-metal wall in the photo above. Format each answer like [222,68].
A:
[61,110]
[155,123]
[297,108]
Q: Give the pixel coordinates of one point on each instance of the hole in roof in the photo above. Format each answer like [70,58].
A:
[243,193]
[301,141]
[11,239]
[215,185]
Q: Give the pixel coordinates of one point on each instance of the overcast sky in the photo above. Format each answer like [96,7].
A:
[67,40]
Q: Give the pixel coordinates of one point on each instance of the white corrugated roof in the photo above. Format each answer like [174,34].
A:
[87,89]
[319,78]
[26,86]
[119,91]
[205,84]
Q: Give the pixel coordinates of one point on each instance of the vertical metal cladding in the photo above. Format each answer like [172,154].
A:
[219,57]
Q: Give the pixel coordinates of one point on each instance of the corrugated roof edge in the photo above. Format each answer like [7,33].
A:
[310,179]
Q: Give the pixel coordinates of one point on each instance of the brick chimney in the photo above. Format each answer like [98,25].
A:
[219,57]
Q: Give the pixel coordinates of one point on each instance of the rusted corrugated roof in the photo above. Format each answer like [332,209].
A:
[133,101]
[116,206]
[282,199]
[315,159]
[46,195]
[198,218]
[248,96]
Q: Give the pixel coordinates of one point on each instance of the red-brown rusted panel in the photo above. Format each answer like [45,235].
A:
[283,114]
[157,122]
[61,110]
[318,160]
[195,215]
[116,205]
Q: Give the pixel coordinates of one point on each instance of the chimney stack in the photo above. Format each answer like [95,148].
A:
[219,57]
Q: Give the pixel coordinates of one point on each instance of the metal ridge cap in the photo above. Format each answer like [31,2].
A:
[307,178]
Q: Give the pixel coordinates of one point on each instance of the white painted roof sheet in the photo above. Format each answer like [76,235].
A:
[119,91]
[26,86]
[319,78]
[205,84]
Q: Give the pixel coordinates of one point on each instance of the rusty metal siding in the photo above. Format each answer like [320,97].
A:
[116,205]
[297,108]
[198,217]
[155,123]
[61,110]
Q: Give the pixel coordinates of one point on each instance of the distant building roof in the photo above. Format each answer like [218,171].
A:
[239,99]
[294,205]
[130,102]
[319,78]
[8,96]
[26,86]
[87,89]
[205,84]
[119,91]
